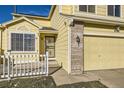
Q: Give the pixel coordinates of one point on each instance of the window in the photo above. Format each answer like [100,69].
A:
[87,8]
[114,10]
[22,42]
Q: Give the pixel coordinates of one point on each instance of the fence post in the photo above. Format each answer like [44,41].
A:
[3,65]
[47,64]
[8,57]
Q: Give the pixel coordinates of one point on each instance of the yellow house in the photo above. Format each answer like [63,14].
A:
[78,37]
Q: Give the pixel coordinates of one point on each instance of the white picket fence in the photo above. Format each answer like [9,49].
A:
[24,66]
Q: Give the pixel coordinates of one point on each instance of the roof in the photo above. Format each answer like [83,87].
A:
[35,16]
[19,19]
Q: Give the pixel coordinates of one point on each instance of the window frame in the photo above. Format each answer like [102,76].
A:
[35,50]
[88,11]
[114,12]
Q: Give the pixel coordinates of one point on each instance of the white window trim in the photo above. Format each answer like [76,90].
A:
[23,38]
[87,10]
[114,11]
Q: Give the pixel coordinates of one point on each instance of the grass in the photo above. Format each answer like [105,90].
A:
[46,82]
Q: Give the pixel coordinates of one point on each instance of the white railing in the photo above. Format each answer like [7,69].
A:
[24,65]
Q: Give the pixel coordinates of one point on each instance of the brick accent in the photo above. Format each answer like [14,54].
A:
[76,48]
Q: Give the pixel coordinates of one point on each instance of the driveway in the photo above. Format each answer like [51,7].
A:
[110,78]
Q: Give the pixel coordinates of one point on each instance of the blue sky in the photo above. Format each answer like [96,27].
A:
[39,10]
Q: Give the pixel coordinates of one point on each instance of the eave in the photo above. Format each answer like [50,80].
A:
[48,32]
[97,19]
[19,19]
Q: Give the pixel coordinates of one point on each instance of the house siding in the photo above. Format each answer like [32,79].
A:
[98,28]
[58,22]
[0,37]
[42,22]
[17,27]
[67,9]
[101,10]
[122,11]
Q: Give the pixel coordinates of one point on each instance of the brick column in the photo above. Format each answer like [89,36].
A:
[77,47]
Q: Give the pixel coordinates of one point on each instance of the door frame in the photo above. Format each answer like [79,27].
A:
[54,44]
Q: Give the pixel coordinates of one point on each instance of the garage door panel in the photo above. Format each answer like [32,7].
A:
[103,53]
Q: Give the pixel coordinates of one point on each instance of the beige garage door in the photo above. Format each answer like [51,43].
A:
[103,53]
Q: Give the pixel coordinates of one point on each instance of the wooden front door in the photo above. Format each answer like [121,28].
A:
[50,46]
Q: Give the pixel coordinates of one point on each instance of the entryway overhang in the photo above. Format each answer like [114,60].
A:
[48,30]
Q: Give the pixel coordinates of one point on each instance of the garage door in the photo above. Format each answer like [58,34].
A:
[103,53]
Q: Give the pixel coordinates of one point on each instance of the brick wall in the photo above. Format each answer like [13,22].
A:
[77,48]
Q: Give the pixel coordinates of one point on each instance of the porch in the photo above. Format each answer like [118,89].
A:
[34,62]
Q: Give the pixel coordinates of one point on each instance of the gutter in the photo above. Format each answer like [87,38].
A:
[96,19]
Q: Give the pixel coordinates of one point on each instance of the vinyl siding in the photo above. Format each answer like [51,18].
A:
[122,11]
[0,40]
[67,9]
[14,28]
[41,22]
[0,44]
[61,45]
[98,28]
[101,10]
[0,36]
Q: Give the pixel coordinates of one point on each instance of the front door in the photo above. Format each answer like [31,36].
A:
[50,46]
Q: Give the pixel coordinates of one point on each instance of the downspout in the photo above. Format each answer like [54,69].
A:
[0,43]
[60,9]
[0,38]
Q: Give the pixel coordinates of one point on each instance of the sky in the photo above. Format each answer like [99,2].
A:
[38,10]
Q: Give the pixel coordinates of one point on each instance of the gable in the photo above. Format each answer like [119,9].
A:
[22,26]
[14,21]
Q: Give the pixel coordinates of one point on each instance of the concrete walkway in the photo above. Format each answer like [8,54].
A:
[61,77]
[110,78]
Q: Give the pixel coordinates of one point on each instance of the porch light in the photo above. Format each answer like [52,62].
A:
[78,40]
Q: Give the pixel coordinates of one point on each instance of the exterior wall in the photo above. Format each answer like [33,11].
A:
[98,28]
[67,9]
[77,48]
[42,22]
[58,22]
[0,37]
[22,26]
[0,44]
[122,10]
[100,10]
